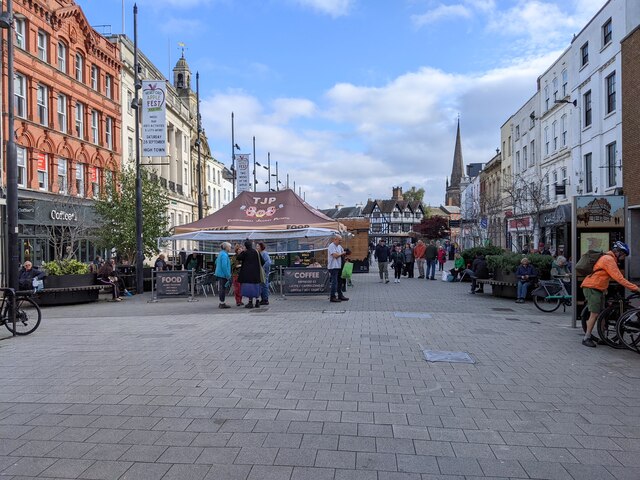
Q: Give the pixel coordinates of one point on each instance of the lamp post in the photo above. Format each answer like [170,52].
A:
[276,175]
[255,181]
[269,169]
[13,255]
[199,129]
[234,147]
[138,86]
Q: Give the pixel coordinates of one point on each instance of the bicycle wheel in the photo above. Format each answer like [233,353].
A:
[28,317]
[606,324]
[628,329]
[546,304]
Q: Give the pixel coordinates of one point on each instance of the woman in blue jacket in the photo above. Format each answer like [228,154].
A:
[223,272]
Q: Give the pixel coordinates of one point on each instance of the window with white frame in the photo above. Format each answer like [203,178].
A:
[532,120]
[554,132]
[565,83]
[546,98]
[607,33]
[42,98]
[79,67]
[546,187]
[518,164]
[22,166]
[96,176]
[20,95]
[588,173]
[611,165]
[532,154]
[43,172]
[587,108]
[95,80]
[546,140]
[108,86]
[129,102]
[62,57]
[62,176]
[43,46]
[79,120]
[584,54]
[610,83]
[555,183]
[525,159]
[95,132]
[80,179]
[563,177]
[109,133]
[555,88]
[62,113]
[563,126]
[19,25]
[517,132]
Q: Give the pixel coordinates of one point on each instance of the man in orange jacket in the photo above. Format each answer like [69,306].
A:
[418,253]
[597,283]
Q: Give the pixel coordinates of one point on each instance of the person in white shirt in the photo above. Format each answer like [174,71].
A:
[334,265]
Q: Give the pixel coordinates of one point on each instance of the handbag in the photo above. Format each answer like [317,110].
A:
[262,276]
[38,284]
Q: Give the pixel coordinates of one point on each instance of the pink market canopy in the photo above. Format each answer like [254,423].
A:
[251,211]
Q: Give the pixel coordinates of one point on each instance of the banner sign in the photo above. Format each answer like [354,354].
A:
[172,283]
[42,162]
[305,281]
[154,118]
[243,173]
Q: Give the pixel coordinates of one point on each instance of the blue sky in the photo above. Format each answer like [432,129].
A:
[352,97]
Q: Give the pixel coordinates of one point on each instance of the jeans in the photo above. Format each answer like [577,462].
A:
[222,289]
[264,287]
[431,268]
[397,270]
[420,262]
[470,273]
[383,268]
[522,289]
[440,266]
[335,276]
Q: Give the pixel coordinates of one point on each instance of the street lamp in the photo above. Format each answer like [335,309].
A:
[564,100]
[138,86]
[199,129]
[13,255]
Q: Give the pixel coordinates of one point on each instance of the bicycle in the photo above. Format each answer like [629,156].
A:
[607,322]
[550,294]
[628,329]
[28,314]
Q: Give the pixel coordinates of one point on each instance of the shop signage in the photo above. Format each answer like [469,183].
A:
[42,162]
[62,215]
[154,118]
[26,210]
[242,169]
[305,281]
[172,283]
[559,216]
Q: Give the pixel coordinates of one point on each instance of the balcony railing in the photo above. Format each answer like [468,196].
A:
[179,188]
[172,186]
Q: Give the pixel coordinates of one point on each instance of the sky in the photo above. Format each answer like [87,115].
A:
[354,97]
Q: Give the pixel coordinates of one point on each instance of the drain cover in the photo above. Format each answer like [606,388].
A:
[450,357]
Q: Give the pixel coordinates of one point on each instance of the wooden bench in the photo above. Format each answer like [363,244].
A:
[105,287]
[491,281]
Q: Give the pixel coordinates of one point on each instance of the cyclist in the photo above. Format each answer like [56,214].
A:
[596,284]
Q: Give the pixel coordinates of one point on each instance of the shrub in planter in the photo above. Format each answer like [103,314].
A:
[508,263]
[470,253]
[65,267]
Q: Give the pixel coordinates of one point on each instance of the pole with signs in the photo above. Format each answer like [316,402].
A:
[199,130]
[243,173]
[233,158]
[138,85]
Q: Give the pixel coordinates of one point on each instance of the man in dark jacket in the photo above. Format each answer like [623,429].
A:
[479,269]
[432,258]
[27,275]
[382,254]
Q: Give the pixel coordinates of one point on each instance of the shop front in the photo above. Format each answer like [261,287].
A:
[555,229]
[51,227]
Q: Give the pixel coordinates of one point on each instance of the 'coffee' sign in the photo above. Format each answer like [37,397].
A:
[64,216]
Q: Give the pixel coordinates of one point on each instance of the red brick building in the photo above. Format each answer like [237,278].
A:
[67,120]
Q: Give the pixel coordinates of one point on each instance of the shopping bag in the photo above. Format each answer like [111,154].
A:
[347,270]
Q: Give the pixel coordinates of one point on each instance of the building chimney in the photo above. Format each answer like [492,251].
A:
[339,206]
[397,194]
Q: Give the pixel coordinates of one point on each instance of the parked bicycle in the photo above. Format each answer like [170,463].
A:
[607,323]
[28,314]
[550,294]
[628,329]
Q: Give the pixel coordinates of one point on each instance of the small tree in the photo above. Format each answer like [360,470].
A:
[117,209]
[414,195]
[433,228]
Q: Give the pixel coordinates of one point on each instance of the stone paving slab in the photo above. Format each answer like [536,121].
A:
[306,389]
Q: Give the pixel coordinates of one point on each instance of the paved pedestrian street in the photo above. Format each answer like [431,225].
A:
[305,389]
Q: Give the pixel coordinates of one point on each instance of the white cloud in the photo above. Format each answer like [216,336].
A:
[334,8]
[441,12]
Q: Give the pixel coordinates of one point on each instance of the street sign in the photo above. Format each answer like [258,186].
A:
[243,173]
[154,118]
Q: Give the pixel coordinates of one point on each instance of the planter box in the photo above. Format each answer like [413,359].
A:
[504,291]
[67,298]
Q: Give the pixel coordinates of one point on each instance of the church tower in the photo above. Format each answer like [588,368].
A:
[454,190]
[182,74]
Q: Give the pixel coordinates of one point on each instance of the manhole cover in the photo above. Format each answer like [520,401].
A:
[503,309]
[380,338]
[155,335]
[411,315]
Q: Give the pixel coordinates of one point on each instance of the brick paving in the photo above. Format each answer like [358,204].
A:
[307,389]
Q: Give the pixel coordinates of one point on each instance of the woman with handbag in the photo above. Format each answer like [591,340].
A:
[251,274]
[107,276]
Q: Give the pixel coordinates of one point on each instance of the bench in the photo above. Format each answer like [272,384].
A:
[71,295]
[491,281]
[105,287]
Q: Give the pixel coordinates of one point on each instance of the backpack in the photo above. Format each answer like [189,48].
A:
[587,261]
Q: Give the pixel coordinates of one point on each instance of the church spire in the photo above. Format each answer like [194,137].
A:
[457,171]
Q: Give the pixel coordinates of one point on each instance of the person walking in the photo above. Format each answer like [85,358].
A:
[223,273]
[418,255]
[452,250]
[431,254]
[397,262]
[382,254]
[408,260]
[335,252]
[527,276]
[442,258]
[266,266]
[596,284]
[251,274]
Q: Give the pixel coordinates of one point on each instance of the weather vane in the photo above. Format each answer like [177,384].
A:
[183,47]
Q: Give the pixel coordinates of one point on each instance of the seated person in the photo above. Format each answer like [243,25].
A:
[560,269]
[160,265]
[527,276]
[27,275]
[107,276]
[479,270]
[297,262]
[458,267]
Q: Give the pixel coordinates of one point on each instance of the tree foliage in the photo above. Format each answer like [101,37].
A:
[414,195]
[433,228]
[117,209]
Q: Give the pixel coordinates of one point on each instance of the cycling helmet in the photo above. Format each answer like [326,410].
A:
[623,247]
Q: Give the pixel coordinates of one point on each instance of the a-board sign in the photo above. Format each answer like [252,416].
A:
[172,283]
[305,281]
